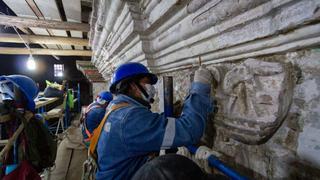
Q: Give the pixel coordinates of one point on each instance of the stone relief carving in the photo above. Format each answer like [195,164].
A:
[253,99]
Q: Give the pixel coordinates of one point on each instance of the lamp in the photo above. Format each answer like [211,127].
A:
[31,64]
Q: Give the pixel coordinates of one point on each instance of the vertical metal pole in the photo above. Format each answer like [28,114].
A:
[168,102]
[67,108]
[78,97]
[168,95]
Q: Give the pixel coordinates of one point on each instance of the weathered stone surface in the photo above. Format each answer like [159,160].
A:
[293,144]
[254,98]
[171,34]
[267,122]
[97,87]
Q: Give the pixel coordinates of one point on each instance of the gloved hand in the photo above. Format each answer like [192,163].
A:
[184,152]
[201,157]
[203,75]
[207,75]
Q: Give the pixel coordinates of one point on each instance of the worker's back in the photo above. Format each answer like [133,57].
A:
[114,158]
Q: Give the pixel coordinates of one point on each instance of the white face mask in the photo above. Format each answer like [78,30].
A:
[151,91]
[101,101]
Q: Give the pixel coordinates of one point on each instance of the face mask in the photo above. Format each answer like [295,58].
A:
[151,91]
[101,101]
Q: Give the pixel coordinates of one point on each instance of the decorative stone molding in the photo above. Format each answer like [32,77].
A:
[171,35]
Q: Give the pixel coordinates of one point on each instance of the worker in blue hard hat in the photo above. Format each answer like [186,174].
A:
[35,147]
[19,89]
[131,132]
[93,114]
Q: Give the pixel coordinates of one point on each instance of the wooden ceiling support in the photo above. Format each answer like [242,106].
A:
[38,39]
[40,51]
[48,24]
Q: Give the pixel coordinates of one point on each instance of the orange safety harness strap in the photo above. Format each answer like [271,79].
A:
[88,109]
[98,130]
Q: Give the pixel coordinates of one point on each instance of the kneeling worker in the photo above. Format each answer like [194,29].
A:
[132,132]
[93,115]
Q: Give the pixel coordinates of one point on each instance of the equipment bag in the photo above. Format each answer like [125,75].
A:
[41,146]
[90,165]
[52,92]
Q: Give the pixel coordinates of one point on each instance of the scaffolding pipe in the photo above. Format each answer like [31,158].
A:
[216,163]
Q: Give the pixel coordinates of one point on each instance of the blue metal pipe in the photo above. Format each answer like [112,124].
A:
[216,163]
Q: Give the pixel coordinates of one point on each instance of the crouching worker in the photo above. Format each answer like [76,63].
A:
[130,132]
[30,147]
[93,115]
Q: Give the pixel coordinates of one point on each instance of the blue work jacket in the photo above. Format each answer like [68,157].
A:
[93,117]
[131,133]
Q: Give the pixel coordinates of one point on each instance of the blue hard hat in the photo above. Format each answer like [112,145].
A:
[26,85]
[105,95]
[130,70]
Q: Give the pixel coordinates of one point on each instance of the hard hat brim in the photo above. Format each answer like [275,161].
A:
[30,102]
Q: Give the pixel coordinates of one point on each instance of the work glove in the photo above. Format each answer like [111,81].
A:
[202,155]
[184,152]
[203,75]
[207,75]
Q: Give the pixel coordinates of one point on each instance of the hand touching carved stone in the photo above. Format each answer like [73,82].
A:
[207,75]
[203,75]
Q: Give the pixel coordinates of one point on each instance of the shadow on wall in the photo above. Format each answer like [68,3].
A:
[302,170]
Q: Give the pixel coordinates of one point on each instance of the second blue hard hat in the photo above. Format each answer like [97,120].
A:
[105,95]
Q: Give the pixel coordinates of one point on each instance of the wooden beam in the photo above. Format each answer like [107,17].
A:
[40,51]
[48,24]
[38,39]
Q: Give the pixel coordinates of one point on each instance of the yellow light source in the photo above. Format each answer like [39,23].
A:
[31,64]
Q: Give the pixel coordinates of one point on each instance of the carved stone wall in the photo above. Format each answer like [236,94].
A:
[253,99]
[97,87]
[268,97]
[267,123]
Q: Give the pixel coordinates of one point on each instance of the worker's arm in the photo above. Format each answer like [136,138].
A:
[144,131]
